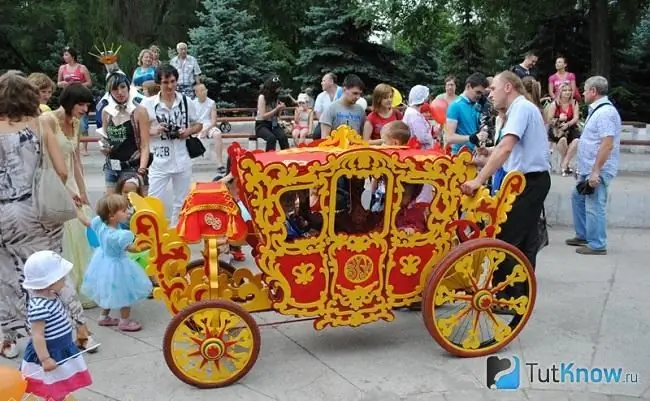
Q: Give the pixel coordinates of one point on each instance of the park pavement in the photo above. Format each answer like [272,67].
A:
[590,310]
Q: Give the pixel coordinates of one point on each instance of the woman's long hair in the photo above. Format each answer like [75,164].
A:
[533,91]
[270,89]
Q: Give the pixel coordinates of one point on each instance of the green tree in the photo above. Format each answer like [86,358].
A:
[338,37]
[235,56]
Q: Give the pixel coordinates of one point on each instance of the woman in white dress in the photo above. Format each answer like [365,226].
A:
[74,101]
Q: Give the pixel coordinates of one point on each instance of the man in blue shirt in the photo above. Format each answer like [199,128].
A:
[463,115]
[597,164]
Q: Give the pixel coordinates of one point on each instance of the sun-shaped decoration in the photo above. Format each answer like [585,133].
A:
[108,55]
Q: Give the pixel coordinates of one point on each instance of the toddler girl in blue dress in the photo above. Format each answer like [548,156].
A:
[113,280]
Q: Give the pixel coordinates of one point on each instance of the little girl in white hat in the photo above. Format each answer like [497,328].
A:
[52,364]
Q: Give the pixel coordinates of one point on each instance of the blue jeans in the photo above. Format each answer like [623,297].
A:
[590,213]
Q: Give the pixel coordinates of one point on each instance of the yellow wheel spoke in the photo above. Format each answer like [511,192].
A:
[518,275]
[222,351]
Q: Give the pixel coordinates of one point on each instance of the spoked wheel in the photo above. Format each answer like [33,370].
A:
[466,311]
[224,267]
[211,344]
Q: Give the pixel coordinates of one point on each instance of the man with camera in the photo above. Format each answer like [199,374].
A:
[173,120]
[597,164]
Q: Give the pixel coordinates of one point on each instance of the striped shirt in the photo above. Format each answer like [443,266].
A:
[53,313]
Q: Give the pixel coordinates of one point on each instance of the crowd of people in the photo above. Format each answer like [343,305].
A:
[147,131]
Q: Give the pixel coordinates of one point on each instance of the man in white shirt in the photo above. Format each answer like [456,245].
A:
[173,119]
[331,92]
[206,112]
[188,70]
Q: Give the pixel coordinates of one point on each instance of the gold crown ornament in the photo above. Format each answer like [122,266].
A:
[108,55]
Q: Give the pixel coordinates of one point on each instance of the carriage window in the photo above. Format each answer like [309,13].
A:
[302,210]
[414,207]
[360,204]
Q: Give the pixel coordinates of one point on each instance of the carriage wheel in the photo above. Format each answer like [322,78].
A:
[465,311]
[224,267]
[217,348]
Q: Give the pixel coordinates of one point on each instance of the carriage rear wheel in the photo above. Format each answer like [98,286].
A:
[469,311]
[211,344]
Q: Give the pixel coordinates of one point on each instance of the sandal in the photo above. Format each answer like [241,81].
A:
[108,322]
[130,326]
[238,256]
[9,349]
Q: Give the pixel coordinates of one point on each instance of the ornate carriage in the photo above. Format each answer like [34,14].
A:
[342,270]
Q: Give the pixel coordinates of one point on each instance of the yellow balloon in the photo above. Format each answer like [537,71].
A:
[12,384]
[397,97]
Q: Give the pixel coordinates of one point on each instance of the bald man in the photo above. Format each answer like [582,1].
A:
[188,70]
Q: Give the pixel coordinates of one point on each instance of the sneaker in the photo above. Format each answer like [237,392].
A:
[9,349]
[585,250]
[576,242]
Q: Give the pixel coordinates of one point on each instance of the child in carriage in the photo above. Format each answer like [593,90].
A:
[416,198]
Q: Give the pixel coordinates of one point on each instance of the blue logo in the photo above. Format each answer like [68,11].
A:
[503,373]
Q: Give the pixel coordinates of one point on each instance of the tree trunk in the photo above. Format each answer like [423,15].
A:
[599,37]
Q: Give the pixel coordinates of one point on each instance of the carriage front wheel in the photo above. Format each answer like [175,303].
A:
[211,344]
[471,311]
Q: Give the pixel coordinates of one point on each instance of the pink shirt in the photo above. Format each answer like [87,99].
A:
[557,82]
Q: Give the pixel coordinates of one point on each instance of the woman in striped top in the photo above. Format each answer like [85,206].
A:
[52,364]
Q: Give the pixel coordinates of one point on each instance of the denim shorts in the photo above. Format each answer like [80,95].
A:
[111,177]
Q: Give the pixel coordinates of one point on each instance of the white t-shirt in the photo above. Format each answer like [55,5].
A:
[203,111]
[323,100]
[170,155]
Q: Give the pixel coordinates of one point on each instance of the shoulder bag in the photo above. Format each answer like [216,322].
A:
[194,145]
[51,199]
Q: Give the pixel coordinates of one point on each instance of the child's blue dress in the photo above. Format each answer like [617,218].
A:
[113,280]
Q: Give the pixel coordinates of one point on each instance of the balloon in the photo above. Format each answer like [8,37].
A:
[397,98]
[438,110]
[93,241]
[12,384]
[363,103]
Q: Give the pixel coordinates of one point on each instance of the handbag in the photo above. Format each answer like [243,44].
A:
[194,145]
[542,232]
[51,199]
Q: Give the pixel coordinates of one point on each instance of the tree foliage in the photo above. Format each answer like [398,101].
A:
[401,42]
[234,55]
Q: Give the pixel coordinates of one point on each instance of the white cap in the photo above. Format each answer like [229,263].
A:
[303,98]
[44,268]
[363,103]
[418,95]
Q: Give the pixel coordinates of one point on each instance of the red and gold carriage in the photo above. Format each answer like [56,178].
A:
[336,274]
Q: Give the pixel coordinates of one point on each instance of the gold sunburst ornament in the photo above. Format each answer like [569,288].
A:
[108,55]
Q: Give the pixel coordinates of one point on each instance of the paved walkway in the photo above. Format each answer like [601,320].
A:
[590,310]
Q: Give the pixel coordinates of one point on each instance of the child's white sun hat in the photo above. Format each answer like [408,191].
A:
[44,268]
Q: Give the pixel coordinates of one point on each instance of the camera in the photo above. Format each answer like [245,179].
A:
[173,131]
[487,119]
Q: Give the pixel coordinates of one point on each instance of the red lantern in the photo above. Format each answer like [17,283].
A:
[438,110]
